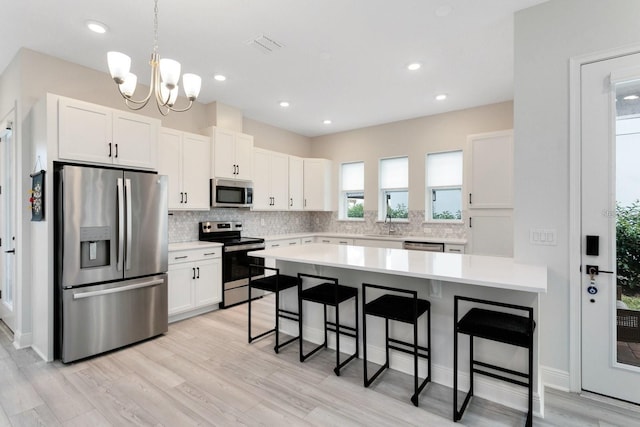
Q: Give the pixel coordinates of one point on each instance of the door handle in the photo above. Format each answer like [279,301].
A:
[198,268]
[120,253]
[127,195]
[12,251]
[109,149]
[238,173]
[290,202]
[186,197]
[194,273]
[116,150]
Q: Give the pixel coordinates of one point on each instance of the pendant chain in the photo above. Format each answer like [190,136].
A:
[155,28]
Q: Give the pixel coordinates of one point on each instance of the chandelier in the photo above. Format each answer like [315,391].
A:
[165,74]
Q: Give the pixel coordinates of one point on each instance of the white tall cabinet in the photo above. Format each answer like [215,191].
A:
[232,154]
[96,134]
[489,181]
[185,159]
[271,180]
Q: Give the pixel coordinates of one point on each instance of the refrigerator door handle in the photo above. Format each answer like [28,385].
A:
[127,194]
[120,258]
[90,294]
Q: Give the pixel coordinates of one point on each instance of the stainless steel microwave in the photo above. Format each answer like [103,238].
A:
[226,193]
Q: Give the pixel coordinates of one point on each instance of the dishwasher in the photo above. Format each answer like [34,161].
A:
[423,246]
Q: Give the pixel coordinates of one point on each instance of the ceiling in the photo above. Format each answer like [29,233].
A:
[343,60]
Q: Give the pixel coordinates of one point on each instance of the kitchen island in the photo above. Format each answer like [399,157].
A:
[437,277]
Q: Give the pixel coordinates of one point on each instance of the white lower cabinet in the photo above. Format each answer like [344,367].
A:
[334,240]
[195,282]
[455,249]
[281,243]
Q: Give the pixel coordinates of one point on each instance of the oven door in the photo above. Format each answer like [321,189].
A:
[235,274]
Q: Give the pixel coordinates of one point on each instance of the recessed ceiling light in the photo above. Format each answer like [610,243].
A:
[631,97]
[441,97]
[414,66]
[327,122]
[97,27]
[284,104]
[220,77]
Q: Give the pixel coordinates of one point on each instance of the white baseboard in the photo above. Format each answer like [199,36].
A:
[555,378]
[193,313]
[501,392]
[21,340]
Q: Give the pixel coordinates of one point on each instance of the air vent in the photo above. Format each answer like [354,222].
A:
[265,44]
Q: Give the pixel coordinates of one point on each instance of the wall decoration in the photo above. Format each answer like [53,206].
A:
[37,196]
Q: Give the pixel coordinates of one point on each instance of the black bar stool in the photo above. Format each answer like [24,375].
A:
[498,326]
[400,308]
[276,284]
[329,293]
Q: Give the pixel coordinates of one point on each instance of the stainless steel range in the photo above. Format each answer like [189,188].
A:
[235,261]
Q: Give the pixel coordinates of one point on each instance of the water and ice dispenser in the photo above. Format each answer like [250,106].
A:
[95,244]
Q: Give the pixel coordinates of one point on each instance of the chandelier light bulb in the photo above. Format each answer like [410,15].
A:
[128,87]
[191,84]
[169,72]
[119,66]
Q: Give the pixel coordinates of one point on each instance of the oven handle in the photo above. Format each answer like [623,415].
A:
[248,247]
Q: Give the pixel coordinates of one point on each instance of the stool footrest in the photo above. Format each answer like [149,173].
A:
[500,377]
[279,346]
[270,331]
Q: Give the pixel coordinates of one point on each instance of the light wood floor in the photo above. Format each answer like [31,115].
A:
[203,372]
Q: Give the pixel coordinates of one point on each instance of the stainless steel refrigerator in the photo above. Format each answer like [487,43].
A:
[111,259]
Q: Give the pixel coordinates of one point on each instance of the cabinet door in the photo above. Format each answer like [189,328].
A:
[180,294]
[84,131]
[490,181]
[296,176]
[244,156]
[279,181]
[262,180]
[208,283]
[196,152]
[224,154]
[491,232]
[317,180]
[136,140]
[170,164]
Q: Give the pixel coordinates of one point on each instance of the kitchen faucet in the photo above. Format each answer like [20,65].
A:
[388,216]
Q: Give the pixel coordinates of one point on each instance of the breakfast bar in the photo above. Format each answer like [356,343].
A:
[437,277]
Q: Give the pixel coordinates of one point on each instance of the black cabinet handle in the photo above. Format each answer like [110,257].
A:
[116,150]
[470,222]
[194,273]
[238,173]
[180,257]
[181,197]
[469,198]
[198,268]
[109,149]
[12,251]
[290,202]
[186,197]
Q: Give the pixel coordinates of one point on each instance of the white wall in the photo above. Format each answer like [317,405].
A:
[546,37]
[277,139]
[413,138]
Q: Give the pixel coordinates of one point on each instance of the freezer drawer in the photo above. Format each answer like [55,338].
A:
[99,318]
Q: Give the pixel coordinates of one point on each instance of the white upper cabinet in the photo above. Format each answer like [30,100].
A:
[317,185]
[490,182]
[232,154]
[296,188]
[185,159]
[93,133]
[271,180]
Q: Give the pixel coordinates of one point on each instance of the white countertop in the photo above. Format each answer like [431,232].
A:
[495,272]
[391,237]
[183,246]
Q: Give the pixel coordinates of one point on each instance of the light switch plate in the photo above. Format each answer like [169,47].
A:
[543,236]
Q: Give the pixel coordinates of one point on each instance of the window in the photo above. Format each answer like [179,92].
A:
[394,188]
[352,190]
[444,186]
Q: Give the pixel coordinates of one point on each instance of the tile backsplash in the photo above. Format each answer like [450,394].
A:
[183,225]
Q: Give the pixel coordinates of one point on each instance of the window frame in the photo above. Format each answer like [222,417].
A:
[428,193]
[382,192]
[344,195]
